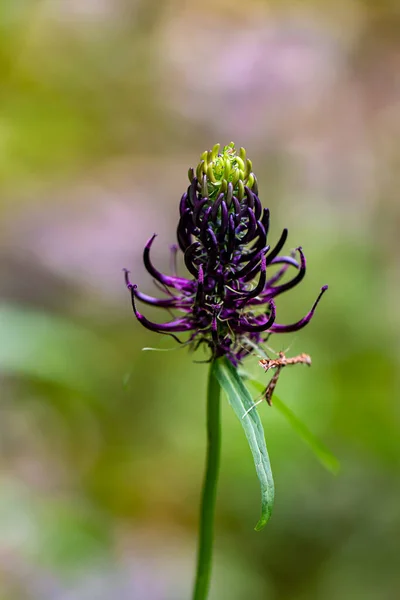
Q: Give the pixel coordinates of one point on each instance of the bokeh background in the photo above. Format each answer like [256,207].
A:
[104,104]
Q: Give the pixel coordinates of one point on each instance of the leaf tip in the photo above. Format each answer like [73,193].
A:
[261,524]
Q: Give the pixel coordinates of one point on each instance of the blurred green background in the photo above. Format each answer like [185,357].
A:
[104,104]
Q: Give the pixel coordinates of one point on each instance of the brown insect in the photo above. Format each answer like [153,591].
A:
[278,364]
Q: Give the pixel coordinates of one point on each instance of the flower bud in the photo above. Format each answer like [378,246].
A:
[216,170]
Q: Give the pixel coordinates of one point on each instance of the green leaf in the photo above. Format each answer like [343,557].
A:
[241,401]
[324,455]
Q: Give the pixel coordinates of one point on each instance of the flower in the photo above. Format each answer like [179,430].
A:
[228,303]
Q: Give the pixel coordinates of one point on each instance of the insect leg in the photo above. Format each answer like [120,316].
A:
[269,390]
[272,385]
[253,406]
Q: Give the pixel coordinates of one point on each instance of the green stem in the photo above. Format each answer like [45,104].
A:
[206,530]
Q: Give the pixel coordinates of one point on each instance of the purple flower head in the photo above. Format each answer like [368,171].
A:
[228,302]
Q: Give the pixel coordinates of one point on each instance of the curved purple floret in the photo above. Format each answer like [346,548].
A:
[258,326]
[176,282]
[303,322]
[274,291]
[176,326]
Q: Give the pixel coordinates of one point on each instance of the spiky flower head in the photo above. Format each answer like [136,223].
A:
[228,303]
[216,171]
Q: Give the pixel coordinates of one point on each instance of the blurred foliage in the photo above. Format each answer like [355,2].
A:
[103,107]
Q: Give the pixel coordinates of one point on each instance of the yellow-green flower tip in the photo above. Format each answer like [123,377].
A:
[217,169]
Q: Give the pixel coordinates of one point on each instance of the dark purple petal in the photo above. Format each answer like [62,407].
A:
[275,251]
[183,232]
[245,326]
[265,220]
[288,260]
[177,283]
[250,274]
[164,302]
[224,221]
[231,236]
[259,246]
[177,326]
[236,205]
[278,275]
[276,328]
[216,206]
[183,206]
[250,197]
[251,267]
[246,296]
[189,256]
[274,291]
[261,282]
[204,223]
[197,210]
[192,196]
[251,226]
[257,206]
